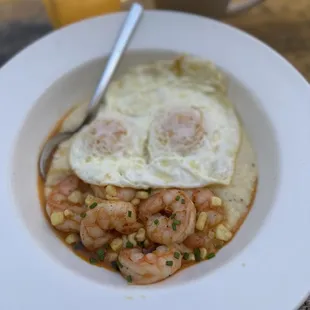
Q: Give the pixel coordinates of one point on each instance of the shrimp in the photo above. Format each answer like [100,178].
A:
[105,221]
[59,204]
[177,221]
[202,240]
[202,199]
[118,193]
[139,268]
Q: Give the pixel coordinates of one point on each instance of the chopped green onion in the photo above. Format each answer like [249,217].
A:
[186,256]
[129,245]
[169,262]
[176,222]
[93,260]
[183,201]
[176,255]
[101,254]
[173,216]
[83,214]
[129,213]
[197,254]
[156,222]
[129,279]
[93,205]
[211,255]
[174,226]
[177,198]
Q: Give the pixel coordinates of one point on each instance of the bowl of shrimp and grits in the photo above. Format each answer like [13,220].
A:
[183,189]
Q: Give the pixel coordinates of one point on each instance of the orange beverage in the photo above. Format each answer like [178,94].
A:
[64,12]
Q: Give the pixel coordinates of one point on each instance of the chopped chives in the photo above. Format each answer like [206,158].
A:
[186,256]
[169,262]
[173,216]
[156,222]
[197,254]
[183,201]
[176,222]
[129,213]
[129,245]
[93,260]
[93,205]
[211,255]
[83,214]
[129,279]
[101,254]
[174,226]
[177,198]
[176,255]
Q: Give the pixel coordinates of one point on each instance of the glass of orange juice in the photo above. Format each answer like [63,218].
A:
[64,12]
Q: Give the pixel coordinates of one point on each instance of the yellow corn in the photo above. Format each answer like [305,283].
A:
[76,197]
[201,221]
[68,213]
[72,238]
[191,257]
[142,195]
[90,199]
[211,234]
[135,201]
[124,239]
[222,233]
[216,201]
[57,218]
[111,190]
[203,253]
[140,236]
[131,239]
[116,244]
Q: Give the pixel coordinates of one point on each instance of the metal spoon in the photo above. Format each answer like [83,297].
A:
[127,30]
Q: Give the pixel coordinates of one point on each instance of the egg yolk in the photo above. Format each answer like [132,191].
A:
[182,130]
[106,137]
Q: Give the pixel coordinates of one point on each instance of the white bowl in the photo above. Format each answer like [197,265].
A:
[264,267]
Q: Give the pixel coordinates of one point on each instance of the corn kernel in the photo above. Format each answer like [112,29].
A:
[68,213]
[111,190]
[72,238]
[116,244]
[135,201]
[222,233]
[90,199]
[131,238]
[140,236]
[191,257]
[201,221]
[76,197]
[57,218]
[211,234]
[216,201]
[142,195]
[124,239]
[203,253]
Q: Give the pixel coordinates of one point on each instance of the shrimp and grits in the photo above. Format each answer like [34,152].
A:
[161,179]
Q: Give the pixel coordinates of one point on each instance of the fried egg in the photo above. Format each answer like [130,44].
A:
[167,124]
[104,151]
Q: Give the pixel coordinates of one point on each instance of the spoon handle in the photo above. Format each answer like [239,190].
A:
[118,49]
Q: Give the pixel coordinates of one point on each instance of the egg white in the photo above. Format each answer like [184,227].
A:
[142,100]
